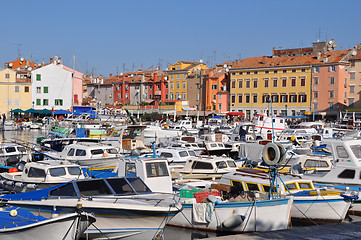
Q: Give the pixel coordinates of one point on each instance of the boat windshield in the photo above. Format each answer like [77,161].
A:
[356,149]
[101,187]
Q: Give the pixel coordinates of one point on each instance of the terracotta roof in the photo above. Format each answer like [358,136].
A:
[22,62]
[333,56]
[293,51]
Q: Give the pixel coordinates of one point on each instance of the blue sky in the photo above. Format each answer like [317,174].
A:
[115,36]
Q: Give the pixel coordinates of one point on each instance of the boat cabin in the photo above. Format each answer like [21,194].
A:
[176,155]
[153,171]
[79,151]
[11,154]
[209,165]
[256,180]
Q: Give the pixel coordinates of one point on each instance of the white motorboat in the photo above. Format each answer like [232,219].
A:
[125,208]
[38,175]
[176,155]
[12,153]
[17,224]
[92,155]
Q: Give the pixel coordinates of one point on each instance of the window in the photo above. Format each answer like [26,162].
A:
[332,68]
[56,172]
[255,72]
[74,171]
[302,98]
[37,173]
[315,94]
[184,85]
[171,96]
[252,186]
[332,93]
[303,81]
[178,85]
[275,71]
[156,169]
[351,102]
[233,99]
[352,89]
[331,105]
[80,152]
[119,96]
[38,77]
[315,106]
[38,102]
[283,98]
[240,98]
[275,82]
[178,76]
[214,86]
[126,96]
[184,97]
[255,99]
[266,72]
[293,82]
[275,98]
[45,89]
[265,98]
[26,89]
[356,149]
[45,102]
[310,163]
[304,185]
[291,186]
[332,80]
[7,75]
[315,80]
[171,85]
[219,106]
[266,80]
[284,82]
[237,185]
[248,83]
[17,88]
[284,70]
[233,84]
[294,70]
[58,102]
[303,70]
[293,98]
[316,69]
[201,165]
[255,83]
[247,98]
[352,76]
[347,173]
[197,97]
[240,83]
[248,73]
[38,89]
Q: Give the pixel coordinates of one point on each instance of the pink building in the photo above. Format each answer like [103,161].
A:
[330,79]
[77,86]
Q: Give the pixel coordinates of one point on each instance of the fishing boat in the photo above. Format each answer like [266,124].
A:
[125,208]
[30,176]
[256,214]
[18,224]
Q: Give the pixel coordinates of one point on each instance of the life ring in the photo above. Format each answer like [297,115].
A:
[271,154]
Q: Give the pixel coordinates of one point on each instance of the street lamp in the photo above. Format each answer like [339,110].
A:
[286,114]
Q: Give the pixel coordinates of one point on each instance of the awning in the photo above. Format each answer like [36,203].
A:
[235,114]
[45,111]
[31,110]
[61,111]
[188,109]
[18,110]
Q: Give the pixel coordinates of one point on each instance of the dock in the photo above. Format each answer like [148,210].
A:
[342,231]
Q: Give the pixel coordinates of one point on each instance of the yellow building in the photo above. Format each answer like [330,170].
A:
[284,80]
[15,88]
[178,78]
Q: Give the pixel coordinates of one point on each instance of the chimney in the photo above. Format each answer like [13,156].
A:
[110,74]
[325,59]
[319,54]
[51,60]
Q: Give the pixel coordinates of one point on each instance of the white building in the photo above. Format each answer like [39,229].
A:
[55,86]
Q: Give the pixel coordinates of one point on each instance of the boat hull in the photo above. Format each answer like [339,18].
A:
[265,215]
[66,227]
[320,209]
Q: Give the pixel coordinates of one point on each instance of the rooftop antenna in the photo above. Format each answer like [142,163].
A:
[19,54]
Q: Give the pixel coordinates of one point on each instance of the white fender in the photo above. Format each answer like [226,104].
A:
[19,184]
[233,222]
[10,183]
[271,154]
[32,186]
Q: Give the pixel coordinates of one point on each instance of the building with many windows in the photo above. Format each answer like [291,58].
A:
[55,86]
[354,99]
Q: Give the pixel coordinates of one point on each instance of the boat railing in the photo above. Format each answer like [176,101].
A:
[22,221]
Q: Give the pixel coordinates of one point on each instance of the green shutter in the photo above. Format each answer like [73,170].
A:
[38,102]
[38,77]
[45,89]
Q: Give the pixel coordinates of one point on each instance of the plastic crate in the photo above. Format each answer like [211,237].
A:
[188,193]
[201,196]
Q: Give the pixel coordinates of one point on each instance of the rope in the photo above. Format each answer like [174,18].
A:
[249,216]
[100,231]
[166,219]
[66,234]
[194,228]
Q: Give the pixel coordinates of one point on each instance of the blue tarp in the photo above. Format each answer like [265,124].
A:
[34,195]
[80,132]
[22,218]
